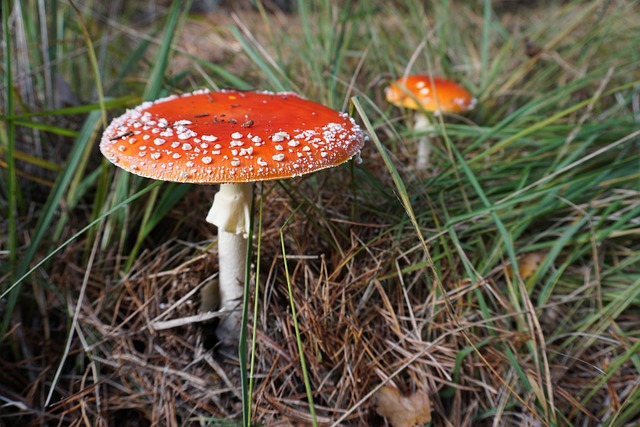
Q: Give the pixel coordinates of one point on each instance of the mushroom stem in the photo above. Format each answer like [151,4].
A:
[423,125]
[232,249]
[231,212]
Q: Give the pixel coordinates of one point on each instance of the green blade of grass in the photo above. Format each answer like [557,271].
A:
[19,281]
[93,60]
[77,109]
[10,146]
[245,381]
[256,299]
[296,327]
[275,81]
[152,91]
[48,213]
[176,14]
[154,213]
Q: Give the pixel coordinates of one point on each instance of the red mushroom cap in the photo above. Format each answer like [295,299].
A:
[417,92]
[230,136]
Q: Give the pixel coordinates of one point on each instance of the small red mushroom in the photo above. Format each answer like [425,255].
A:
[232,138]
[428,95]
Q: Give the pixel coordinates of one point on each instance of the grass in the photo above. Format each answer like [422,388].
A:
[504,280]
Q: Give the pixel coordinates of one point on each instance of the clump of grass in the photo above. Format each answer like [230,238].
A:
[415,278]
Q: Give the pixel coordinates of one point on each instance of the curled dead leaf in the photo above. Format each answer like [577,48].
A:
[403,411]
[528,264]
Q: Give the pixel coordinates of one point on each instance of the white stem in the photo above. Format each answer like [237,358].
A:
[232,252]
[231,212]
[422,124]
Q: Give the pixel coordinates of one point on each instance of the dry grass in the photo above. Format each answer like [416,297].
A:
[359,332]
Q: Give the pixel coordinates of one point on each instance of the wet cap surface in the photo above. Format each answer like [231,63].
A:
[230,136]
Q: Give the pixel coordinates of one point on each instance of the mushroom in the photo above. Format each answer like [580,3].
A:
[428,94]
[232,138]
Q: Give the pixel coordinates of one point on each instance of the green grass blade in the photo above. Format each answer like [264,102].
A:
[256,299]
[156,79]
[93,60]
[292,303]
[16,285]
[242,346]
[274,80]
[152,91]
[86,137]
[10,146]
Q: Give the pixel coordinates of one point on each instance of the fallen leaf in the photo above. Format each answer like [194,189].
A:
[403,411]
[528,264]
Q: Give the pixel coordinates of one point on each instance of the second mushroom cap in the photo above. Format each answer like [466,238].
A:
[432,94]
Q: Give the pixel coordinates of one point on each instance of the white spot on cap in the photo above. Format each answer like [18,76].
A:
[176,156]
[186,134]
[207,160]
[246,151]
[262,162]
[209,138]
[278,157]
[235,162]
[182,122]
[155,156]
[236,135]
[280,136]
[186,147]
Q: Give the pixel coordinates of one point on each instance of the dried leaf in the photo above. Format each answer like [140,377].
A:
[403,411]
[528,264]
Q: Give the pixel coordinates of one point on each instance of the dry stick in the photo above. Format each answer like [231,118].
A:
[351,86]
[159,325]
[74,322]
[539,334]
[416,52]
[157,319]
[594,248]
[588,111]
